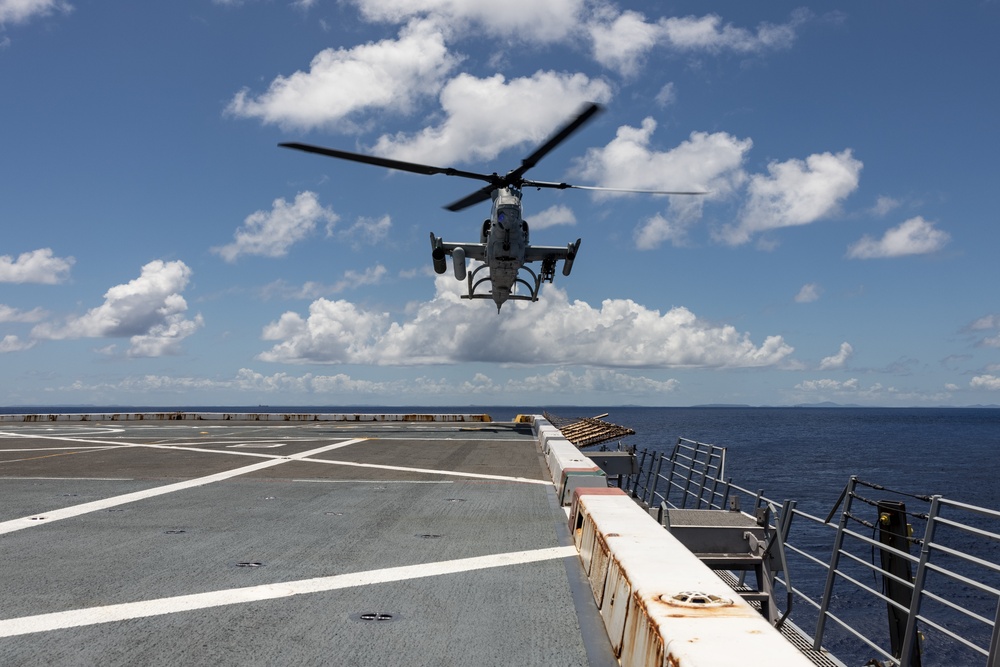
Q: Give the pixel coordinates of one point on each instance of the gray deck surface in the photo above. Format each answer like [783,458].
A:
[108,530]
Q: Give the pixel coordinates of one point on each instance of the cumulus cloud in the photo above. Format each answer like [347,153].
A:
[988,382]
[708,33]
[794,192]
[483,117]
[149,310]
[838,360]
[366,231]
[621,333]
[35,266]
[272,233]
[8,314]
[621,41]
[883,205]
[657,229]
[389,75]
[703,162]
[552,216]
[12,343]
[987,323]
[344,386]
[312,290]
[809,293]
[916,236]
[21,11]
[528,20]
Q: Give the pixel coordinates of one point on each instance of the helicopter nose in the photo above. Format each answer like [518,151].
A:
[499,296]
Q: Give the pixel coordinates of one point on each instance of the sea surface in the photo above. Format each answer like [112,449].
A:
[807,455]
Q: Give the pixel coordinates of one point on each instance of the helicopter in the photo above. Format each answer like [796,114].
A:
[503,251]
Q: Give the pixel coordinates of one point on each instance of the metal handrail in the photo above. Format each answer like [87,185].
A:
[693,474]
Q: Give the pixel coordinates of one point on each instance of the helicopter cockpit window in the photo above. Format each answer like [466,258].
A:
[508,214]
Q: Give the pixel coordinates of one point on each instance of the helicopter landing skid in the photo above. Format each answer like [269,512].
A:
[474,284]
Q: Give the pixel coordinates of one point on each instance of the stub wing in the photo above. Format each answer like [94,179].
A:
[549,255]
[471,250]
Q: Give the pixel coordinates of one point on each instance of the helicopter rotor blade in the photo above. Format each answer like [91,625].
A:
[585,115]
[399,165]
[514,178]
[595,188]
[479,195]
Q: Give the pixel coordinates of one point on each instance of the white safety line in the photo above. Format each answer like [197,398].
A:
[373,481]
[70,479]
[433,471]
[57,449]
[145,608]
[106,503]
[61,451]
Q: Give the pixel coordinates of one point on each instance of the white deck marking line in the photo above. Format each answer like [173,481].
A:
[432,471]
[74,618]
[44,518]
[373,481]
[110,445]
[57,449]
[60,451]
[71,479]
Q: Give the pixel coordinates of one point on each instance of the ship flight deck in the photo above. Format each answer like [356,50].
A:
[316,542]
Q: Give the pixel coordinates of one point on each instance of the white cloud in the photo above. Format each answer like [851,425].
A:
[552,216]
[530,20]
[446,330]
[809,293]
[486,116]
[667,95]
[272,233]
[345,387]
[702,162]
[883,205]
[988,382]
[8,314]
[366,231]
[984,323]
[605,381]
[652,232]
[36,266]
[838,360]
[149,310]
[389,75]
[707,33]
[312,290]
[20,11]
[12,343]
[916,236]
[621,41]
[835,386]
[795,192]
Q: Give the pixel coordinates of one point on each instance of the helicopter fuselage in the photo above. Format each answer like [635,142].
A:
[505,253]
[506,242]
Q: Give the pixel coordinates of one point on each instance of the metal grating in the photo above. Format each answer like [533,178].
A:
[588,431]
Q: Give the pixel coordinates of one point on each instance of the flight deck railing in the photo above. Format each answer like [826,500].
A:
[886,576]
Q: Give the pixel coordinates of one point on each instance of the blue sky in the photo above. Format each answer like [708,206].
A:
[160,249]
